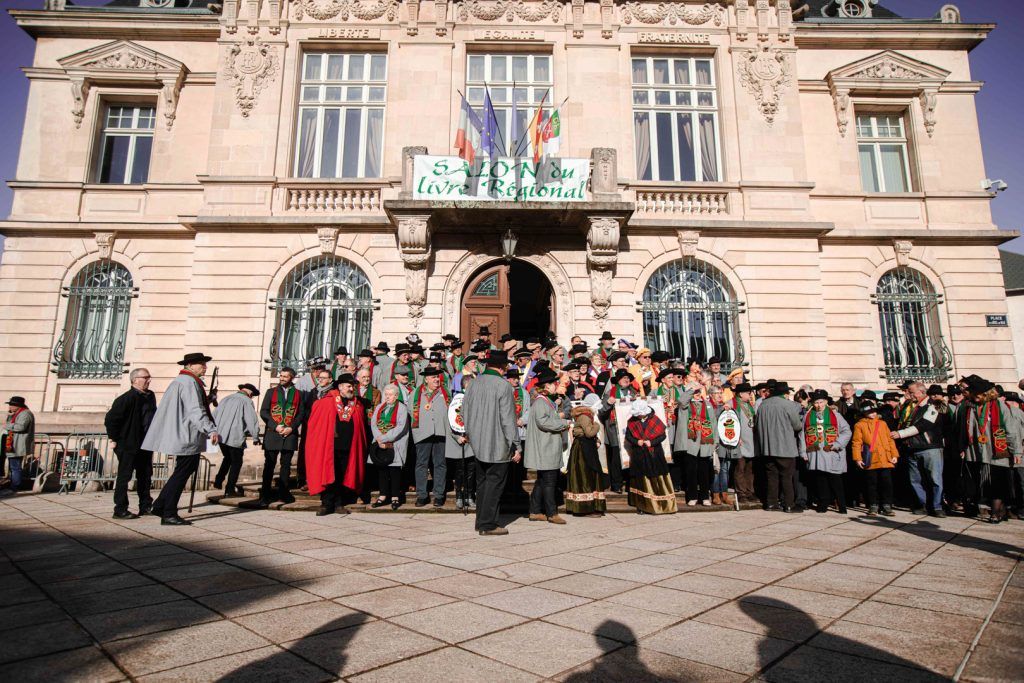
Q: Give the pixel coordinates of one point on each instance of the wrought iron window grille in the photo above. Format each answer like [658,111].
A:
[690,310]
[91,345]
[912,344]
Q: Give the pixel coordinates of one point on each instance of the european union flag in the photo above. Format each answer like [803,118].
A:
[490,135]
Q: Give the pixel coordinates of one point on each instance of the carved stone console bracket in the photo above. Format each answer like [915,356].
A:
[120,62]
[887,73]
[415,248]
[602,255]
[604,180]
[688,240]
[105,243]
[902,249]
[328,237]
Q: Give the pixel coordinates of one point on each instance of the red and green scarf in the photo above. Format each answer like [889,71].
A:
[372,396]
[9,438]
[416,401]
[284,414]
[648,428]
[989,418]
[820,430]
[617,392]
[906,413]
[700,424]
[518,397]
[387,417]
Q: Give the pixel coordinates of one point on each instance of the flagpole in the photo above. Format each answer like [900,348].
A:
[501,138]
[515,111]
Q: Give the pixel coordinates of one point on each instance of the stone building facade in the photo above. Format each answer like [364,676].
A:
[793,186]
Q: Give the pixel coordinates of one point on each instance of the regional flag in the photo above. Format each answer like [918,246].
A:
[552,134]
[537,131]
[467,138]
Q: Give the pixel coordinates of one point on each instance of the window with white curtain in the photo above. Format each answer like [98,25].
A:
[884,155]
[126,144]
[341,115]
[525,79]
[675,119]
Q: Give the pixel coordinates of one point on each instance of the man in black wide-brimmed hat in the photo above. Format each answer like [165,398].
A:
[779,425]
[179,429]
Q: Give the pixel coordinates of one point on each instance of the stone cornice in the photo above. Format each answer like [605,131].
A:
[120,25]
[920,236]
[731,228]
[898,36]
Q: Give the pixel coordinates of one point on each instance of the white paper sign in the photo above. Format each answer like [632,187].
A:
[508,179]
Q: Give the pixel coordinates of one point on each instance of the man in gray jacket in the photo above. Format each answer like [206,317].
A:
[17,438]
[490,416]
[779,426]
[428,406]
[179,429]
[236,419]
[546,438]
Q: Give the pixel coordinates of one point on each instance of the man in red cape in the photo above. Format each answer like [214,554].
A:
[338,437]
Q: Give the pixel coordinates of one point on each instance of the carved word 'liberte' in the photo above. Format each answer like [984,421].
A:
[350,33]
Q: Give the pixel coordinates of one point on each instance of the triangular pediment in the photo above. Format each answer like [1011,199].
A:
[121,55]
[889,66]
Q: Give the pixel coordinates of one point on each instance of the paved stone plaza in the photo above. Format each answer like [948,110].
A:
[718,596]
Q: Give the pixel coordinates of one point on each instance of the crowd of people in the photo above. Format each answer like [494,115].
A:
[585,421]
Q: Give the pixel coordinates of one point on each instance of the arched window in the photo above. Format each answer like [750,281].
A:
[99,303]
[691,311]
[324,303]
[908,315]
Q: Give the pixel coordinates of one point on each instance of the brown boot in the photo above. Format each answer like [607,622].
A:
[556,520]
[716,499]
[726,500]
[538,518]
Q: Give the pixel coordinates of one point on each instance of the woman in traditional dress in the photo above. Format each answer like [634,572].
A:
[992,441]
[584,494]
[650,487]
[390,427]
[823,448]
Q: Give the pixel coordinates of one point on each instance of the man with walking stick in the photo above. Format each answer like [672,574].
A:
[179,430]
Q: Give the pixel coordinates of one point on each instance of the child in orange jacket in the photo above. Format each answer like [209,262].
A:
[875,452]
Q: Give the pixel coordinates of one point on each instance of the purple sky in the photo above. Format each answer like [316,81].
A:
[997,62]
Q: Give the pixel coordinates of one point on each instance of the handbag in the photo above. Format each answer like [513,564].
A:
[867,450]
[381,457]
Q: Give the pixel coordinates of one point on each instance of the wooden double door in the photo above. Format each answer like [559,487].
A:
[507,297]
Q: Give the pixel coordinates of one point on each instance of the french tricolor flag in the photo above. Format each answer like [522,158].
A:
[467,138]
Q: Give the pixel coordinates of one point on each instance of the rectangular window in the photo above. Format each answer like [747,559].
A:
[883,151]
[675,119]
[126,144]
[523,79]
[341,115]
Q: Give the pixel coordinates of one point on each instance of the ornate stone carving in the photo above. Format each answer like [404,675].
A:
[607,14]
[229,16]
[929,100]
[673,13]
[251,64]
[785,21]
[79,94]
[413,7]
[367,10]
[440,17]
[492,10]
[742,18]
[123,60]
[414,246]
[577,18]
[408,157]
[888,68]
[841,100]
[602,255]
[105,243]
[902,249]
[762,8]
[949,14]
[169,92]
[764,73]
[328,237]
[688,240]
[274,24]
[253,16]
[605,179]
